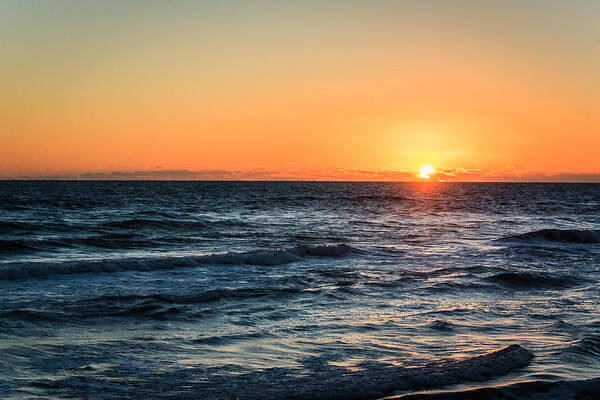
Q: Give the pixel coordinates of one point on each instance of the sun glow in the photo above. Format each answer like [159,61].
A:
[425,171]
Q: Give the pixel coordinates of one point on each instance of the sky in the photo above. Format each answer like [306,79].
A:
[337,90]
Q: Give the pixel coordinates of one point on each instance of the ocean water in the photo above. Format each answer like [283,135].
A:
[299,290]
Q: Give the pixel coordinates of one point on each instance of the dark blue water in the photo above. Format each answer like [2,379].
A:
[301,290]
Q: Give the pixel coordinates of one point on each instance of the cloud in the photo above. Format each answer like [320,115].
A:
[50,177]
[493,176]
[561,177]
[338,174]
[179,174]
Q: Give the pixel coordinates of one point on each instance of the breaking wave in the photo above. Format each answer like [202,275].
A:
[585,236]
[260,257]
[318,380]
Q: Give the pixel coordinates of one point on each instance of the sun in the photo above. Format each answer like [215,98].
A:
[425,171]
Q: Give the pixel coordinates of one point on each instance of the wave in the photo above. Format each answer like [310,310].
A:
[269,257]
[527,280]
[203,297]
[585,350]
[536,390]
[584,236]
[116,234]
[318,379]
[54,226]
[378,380]
[170,224]
[16,246]
[334,197]
[106,241]
[122,240]
[441,325]
[450,287]
[159,306]
[140,223]
[224,339]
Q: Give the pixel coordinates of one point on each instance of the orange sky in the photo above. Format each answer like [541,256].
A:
[502,90]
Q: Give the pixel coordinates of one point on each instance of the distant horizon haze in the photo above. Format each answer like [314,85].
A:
[441,176]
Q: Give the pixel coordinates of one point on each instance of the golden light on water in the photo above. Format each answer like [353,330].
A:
[425,171]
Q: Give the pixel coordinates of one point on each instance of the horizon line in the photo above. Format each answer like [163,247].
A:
[279,180]
[327,175]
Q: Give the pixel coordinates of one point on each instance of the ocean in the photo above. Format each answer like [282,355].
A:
[299,290]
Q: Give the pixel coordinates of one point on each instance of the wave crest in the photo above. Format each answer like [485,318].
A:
[584,236]
[529,280]
[268,257]
[584,351]
[322,380]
